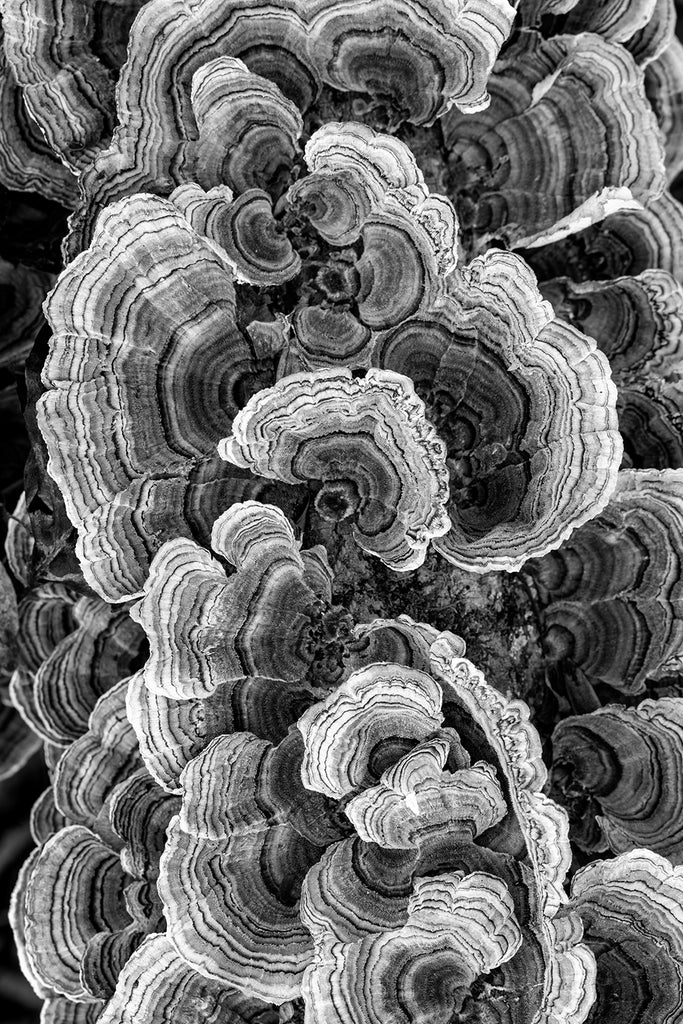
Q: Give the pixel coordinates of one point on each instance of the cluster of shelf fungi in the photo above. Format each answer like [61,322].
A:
[341,357]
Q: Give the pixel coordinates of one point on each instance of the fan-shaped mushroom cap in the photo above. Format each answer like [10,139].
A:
[92,766]
[378,713]
[525,406]
[619,575]
[98,650]
[623,764]
[247,823]
[527,190]
[74,897]
[632,911]
[206,627]
[248,131]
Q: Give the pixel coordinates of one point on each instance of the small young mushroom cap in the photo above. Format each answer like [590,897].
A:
[379,712]
[248,131]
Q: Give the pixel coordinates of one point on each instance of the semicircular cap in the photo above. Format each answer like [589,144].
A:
[231,906]
[100,651]
[616,768]
[240,783]
[632,913]
[645,29]
[364,442]
[92,766]
[377,714]
[525,406]
[400,814]
[243,233]
[230,102]
[418,62]
[74,892]
[245,815]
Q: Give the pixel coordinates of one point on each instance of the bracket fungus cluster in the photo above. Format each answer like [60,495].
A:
[519,482]
[363,352]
